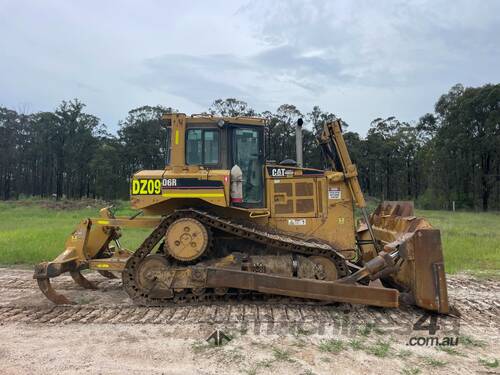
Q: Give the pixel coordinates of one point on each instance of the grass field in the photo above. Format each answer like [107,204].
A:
[471,240]
[32,231]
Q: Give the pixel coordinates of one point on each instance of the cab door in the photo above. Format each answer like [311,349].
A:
[248,153]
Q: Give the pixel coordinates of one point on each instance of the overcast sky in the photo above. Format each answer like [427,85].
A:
[358,59]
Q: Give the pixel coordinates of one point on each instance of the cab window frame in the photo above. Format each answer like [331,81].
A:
[261,160]
[168,145]
[203,131]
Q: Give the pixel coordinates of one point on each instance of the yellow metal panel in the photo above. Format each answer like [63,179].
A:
[197,119]
[125,222]
[178,144]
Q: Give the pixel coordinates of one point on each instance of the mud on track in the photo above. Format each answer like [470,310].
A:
[105,333]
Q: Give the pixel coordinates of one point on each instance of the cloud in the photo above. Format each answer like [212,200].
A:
[309,51]
[361,59]
[197,78]
[389,43]
[308,70]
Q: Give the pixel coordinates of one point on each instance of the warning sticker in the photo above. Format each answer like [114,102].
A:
[334,193]
[296,221]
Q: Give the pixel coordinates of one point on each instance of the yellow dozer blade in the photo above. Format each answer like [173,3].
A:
[409,256]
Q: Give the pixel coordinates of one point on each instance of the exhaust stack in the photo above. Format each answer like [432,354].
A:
[298,142]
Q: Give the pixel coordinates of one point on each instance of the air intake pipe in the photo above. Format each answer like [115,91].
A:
[298,142]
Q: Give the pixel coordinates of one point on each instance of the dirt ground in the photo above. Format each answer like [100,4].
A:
[105,334]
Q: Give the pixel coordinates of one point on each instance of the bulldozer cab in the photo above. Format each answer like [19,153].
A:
[211,144]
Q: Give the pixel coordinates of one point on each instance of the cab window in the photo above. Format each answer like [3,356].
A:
[248,155]
[202,147]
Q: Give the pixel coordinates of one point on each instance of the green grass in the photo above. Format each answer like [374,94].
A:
[31,232]
[331,346]
[403,353]
[470,341]
[356,344]
[450,351]
[410,371]
[493,363]
[380,349]
[368,329]
[282,355]
[435,362]
[471,241]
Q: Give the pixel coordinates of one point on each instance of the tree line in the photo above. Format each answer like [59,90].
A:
[450,155]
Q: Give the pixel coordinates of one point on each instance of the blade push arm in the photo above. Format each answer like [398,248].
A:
[332,137]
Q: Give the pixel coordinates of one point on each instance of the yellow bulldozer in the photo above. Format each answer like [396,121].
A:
[225,223]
